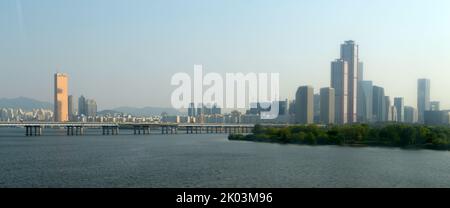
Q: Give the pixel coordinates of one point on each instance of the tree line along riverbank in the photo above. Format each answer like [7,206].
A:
[392,135]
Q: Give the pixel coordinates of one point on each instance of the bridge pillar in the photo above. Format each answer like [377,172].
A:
[77,130]
[37,131]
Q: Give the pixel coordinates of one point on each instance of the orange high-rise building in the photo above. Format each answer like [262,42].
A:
[61,113]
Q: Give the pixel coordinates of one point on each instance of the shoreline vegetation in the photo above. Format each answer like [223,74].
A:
[357,135]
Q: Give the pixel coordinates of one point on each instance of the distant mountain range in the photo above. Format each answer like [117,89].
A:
[30,104]
[147,111]
[24,103]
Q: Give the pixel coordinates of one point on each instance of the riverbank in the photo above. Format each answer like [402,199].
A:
[360,135]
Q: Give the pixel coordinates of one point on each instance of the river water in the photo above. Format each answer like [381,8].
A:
[206,160]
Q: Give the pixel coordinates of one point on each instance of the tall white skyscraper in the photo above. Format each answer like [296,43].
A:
[423,97]
[350,54]
[344,79]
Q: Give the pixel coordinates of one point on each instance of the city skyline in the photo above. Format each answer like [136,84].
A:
[286,42]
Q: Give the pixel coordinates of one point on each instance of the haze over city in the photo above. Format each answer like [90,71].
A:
[114,49]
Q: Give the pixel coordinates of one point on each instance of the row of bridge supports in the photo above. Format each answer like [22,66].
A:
[75,130]
[33,130]
[144,129]
[169,130]
[217,129]
[110,130]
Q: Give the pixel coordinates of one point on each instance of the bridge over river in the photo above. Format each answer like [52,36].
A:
[77,128]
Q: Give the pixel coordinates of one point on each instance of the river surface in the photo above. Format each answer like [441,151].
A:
[206,160]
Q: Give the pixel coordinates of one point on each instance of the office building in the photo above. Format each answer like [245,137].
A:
[316,108]
[436,117]
[216,110]
[392,114]
[435,106]
[327,105]
[82,106]
[399,104]
[91,108]
[379,104]
[304,105]
[411,115]
[365,101]
[71,107]
[423,97]
[387,108]
[350,55]
[191,110]
[339,76]
[61,111]
[344,79]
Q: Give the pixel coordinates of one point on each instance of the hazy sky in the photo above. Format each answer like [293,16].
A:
[124,52]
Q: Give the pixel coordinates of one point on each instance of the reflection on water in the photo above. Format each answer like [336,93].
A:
[54,160]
